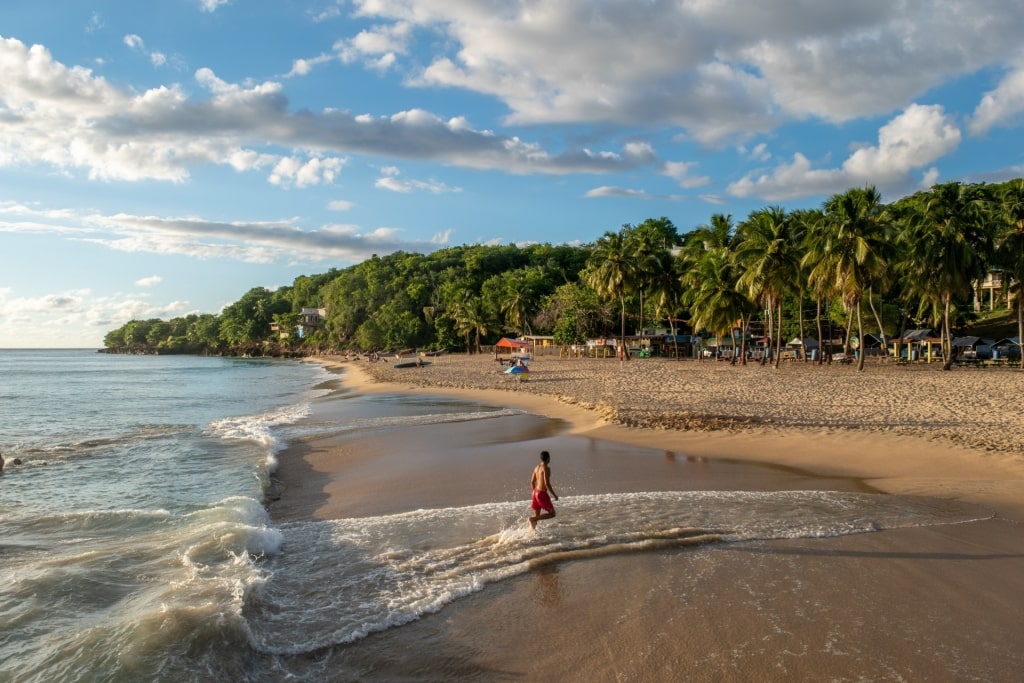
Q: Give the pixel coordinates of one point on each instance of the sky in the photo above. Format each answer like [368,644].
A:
[162,158]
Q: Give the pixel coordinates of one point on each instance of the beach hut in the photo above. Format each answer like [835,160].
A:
[873,344]
[915,344]
[539,343]
[800,347]
[971,348]
[510,345]
[1008,348]
[516,347]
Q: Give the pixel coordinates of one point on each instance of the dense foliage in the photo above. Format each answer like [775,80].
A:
[914,262]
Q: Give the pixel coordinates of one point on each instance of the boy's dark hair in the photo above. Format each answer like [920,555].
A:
[545,456]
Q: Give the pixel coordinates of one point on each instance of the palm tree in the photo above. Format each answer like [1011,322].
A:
[846,253]
[1010,250]
[812,223]
[472,318]
[719,233]
[709,276]
[650,241]
[666,289]
[518,301]
[713,298]
[947,249]
[611,271]
[768,256]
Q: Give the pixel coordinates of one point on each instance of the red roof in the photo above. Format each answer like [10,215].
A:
[512,343]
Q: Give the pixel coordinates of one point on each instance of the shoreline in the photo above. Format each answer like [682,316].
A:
[932,602]
[924,461]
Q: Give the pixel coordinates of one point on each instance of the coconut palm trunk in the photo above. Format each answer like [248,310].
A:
[860,338]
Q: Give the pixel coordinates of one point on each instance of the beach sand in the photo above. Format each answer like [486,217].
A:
[939,603]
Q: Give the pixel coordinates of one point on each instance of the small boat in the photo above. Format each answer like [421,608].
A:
[412,364]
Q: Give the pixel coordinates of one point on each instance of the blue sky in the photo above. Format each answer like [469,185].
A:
[162,158]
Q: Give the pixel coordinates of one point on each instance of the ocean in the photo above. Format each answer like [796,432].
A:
[135,543]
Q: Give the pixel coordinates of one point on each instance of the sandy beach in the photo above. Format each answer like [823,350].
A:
[930,603]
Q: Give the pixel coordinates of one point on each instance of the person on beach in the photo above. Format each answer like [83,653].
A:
[541,484]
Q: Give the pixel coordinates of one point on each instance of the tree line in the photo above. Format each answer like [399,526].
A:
[912,262]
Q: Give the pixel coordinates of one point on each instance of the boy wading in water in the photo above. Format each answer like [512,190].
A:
[541,483]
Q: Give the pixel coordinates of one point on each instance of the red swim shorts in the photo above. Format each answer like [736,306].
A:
[541,501]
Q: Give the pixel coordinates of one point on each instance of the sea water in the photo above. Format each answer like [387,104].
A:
[134,542]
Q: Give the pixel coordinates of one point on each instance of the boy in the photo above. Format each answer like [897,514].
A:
[541,484]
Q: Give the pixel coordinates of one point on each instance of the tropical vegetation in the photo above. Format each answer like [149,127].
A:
[915,262]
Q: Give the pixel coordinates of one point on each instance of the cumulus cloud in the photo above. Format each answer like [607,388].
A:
[74,318]
[303,67]
[135,42]
[758,152]
[72,119]
[910,141]
[719,70]
[680,171]
[291,171]
[377,47]
[1002,106]
[150,281]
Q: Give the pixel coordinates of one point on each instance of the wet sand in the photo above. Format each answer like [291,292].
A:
[934,603]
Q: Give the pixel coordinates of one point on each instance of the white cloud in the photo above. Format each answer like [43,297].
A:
[391,181]
[340,205]
[150,281]
[302,67]
[915,138]
[930,177]
[611,191]
[330,12]
[71,119]
[719,70]
[377,47]
[74,318]
[96,23]
[243,241]
[758,153]
[1002,106]
[291,171]
[680,171]
[212,5]
[712,199]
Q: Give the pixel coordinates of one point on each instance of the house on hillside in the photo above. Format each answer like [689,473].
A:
[990,294]
[310,320]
